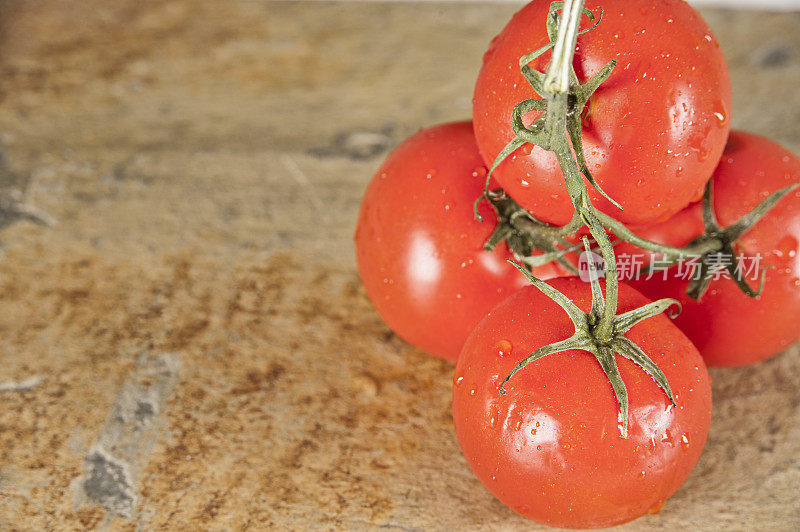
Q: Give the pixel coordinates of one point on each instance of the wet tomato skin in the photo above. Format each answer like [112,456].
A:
[652,133]
[551,448]
[728,327]
[419,248]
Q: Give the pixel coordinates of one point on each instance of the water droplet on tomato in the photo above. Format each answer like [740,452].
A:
[472,391]
[796,282]
[642,475]
[459,380]
[430,174]
[685,441]
[479,172]
[787,247]
[503,348]
[491,421]
[721,113]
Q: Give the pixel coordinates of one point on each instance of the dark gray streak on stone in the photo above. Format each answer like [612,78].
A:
[13,208]
[773,55]
[129,434]
[13,204]
[108,482]
[356,145]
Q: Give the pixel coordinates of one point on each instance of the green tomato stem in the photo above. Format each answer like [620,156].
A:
[556,79]
[669,252]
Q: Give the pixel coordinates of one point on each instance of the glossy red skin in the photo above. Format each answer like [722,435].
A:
[420,250]
[728,327]
[676,231]
[653,132]
[551,448]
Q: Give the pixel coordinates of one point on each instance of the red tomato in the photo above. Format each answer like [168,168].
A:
[551,448]
[652,133]
[420,250]
[728,327]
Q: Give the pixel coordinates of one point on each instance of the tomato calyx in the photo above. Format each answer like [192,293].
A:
[713,250]
[725,257]
[589,337]
[524,234]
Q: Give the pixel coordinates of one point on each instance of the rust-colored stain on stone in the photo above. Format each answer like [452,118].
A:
[190,346]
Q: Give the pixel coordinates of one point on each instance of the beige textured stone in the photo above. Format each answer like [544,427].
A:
[196,313]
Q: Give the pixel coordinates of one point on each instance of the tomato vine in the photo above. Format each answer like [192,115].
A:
[558,129]
[561,108]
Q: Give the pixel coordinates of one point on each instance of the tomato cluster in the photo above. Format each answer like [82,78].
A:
[606,402]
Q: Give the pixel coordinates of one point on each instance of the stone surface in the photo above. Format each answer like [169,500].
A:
[190,347]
